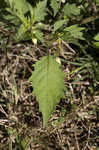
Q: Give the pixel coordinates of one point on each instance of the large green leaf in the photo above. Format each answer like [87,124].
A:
[40,11]
[48,83]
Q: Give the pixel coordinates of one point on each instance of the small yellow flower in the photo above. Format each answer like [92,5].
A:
[34,40]
[58,60]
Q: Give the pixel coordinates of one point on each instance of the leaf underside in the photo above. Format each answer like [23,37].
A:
[48,83]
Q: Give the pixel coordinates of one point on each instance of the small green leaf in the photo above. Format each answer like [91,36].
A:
[20,32]
[40,11]
[96,37]
[39,35]
[19,6]
[59,24]
[74,28]
[96,44]
[97,2]
[31,9]
[48,83]
[71,9]
[55,5]
[75,31]
[22,35]
[24,143]
[41,26]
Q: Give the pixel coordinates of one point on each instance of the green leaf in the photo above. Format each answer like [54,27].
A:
[19,6]
[97,2]
[96,37]
[71,9]
[55,5]
[22,35]
[31,9]
[40,11]
[96,44]
[39,35]
[75,32]
[48,83]
[24,143]
[59,24]
[42,26]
